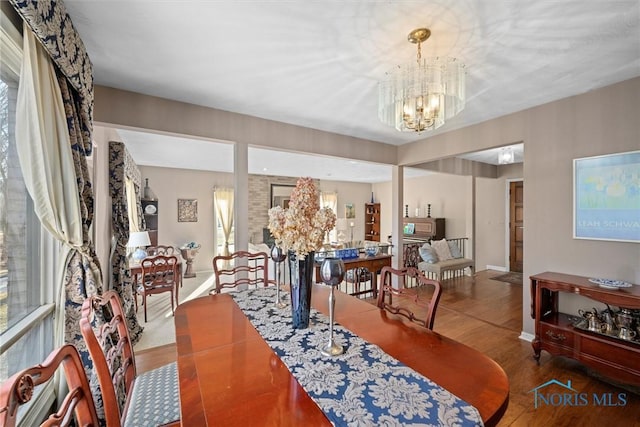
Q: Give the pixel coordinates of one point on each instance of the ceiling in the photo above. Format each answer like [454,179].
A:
[317,63]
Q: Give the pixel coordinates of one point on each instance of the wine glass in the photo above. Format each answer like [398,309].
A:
[278,255]
[332,274]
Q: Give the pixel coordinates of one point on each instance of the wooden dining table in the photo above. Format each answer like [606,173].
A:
[228,375]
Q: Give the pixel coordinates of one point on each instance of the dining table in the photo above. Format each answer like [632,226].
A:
[229,375]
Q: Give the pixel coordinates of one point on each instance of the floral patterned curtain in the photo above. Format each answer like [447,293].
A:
[51,24]
[121,165]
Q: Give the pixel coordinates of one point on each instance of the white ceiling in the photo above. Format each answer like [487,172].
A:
[317,63]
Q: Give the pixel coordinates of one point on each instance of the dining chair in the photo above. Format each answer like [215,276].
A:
[159,274]
[359,278]
[162,250]
[408,300]
[129,399]
[241,268]
[76,407]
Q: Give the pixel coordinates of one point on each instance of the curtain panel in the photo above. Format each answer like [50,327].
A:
[329,200]
[68,214]
[120,163]
[223,200]
[50,22]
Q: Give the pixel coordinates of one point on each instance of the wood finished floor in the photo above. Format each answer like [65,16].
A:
[487,315]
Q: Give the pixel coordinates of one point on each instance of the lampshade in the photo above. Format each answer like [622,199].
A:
[422,95]
[138,238]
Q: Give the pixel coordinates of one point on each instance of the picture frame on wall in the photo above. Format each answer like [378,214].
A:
[187,210]
[349,211]
[606,197]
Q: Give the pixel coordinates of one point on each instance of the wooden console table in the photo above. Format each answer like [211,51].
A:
[371,263]
[616,358]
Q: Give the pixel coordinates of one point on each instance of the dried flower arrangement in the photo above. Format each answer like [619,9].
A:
[301,227]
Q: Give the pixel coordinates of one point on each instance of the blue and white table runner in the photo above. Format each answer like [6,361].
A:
[362,387]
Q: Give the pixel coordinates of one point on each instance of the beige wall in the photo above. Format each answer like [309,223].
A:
[350,192]
[128,109]
[169,185]
[449,196]
[492,218]
[599,122]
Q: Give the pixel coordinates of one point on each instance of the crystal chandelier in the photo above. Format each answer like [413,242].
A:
[422,95]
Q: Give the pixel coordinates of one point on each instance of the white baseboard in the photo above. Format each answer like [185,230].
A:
[497,267]
[526,336]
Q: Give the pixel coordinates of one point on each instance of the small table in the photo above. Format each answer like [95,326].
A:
[371,263]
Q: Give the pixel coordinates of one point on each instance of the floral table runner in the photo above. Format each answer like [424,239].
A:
[363,386]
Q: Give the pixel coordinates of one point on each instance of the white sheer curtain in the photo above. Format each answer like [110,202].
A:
[329,200]
[223,200]
[44,150]
[132,204]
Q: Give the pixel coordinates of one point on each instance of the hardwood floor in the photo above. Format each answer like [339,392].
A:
[487,315]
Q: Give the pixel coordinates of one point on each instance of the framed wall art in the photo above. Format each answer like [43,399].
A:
[187,210]
[606,197]
[349,211]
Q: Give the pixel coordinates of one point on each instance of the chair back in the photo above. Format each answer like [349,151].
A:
[159,273]
[162,250]
[403,301]
[77,406]
[241,268]
[111,351]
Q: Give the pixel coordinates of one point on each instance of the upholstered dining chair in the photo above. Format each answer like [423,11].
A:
[403,301]
[77,405]
[241,268]
[159,275]
[129,399]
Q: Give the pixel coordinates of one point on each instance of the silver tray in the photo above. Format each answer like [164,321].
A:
[583,325]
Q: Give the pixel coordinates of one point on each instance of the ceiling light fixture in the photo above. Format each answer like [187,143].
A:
[506,156]
[423,95]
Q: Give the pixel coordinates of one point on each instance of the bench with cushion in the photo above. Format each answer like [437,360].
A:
[444,256]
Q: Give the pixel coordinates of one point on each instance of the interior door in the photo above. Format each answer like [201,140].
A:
[516,226]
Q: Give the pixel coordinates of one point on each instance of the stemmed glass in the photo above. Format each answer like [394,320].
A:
[332,274]
[278,255]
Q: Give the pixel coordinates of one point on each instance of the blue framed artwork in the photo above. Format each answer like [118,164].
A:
[606,197]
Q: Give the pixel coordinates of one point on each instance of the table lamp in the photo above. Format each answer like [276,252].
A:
[139,240]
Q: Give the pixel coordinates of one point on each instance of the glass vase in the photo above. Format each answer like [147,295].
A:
[301,278]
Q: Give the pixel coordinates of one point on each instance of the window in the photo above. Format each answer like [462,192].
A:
[27,252]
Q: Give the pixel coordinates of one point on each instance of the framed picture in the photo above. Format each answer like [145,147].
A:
[349,211]
[606,197]
[187,210]
[409,228]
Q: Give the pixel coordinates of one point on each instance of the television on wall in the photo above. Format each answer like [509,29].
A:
[606,197]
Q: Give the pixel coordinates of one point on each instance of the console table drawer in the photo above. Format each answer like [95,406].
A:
[620,355]
[552,334]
